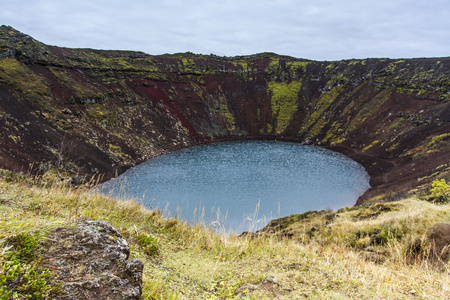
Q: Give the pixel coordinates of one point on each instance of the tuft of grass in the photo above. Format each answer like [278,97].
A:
[148,244]
[359,252]
[21,274]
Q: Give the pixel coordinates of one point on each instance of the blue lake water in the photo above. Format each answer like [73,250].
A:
[238,186]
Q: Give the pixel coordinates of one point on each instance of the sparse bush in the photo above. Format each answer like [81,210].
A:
[440,191]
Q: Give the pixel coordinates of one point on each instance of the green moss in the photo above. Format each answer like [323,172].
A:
[318,125]
[227,114]
[403,90]
[188,65]
[396,123]
[335,134]
[296,66]
[111,60]
[338,80]
[369,109]
[313,124]
[78,87]
[15,138]
[240,64]
[97,112]
[357,61]
[393,147]
[220,107]
[18,75]
[116,149]
[273,66]
[437,139]
[284,102]
[373,144]
[389,69]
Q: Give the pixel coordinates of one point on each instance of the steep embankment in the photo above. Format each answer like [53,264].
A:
[99,112]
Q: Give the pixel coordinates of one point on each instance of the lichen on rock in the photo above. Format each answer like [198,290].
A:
[90,261]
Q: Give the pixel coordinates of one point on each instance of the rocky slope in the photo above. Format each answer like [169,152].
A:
[84,111]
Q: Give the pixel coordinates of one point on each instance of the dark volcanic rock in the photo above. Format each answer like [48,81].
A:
[90,261]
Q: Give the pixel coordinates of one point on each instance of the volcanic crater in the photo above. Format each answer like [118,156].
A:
[92,112]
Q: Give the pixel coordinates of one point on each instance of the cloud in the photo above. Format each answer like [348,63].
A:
[320,29]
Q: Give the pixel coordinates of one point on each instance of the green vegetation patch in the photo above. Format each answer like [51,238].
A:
[296,66]
[357,61]
[369,109]
[440,191]
[242,64]
[336,134]
[314,123]
[437,139]
[228,116]
[376,209]
[373,144]
[21,276]
[188,65]
[112,60]
[273,66]
[149,244]
[435,144]
[284,102]
[19,76]
[338,80]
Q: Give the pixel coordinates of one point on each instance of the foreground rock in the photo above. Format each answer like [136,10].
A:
[90,261]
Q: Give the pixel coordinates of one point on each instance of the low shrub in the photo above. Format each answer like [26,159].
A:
[440,191]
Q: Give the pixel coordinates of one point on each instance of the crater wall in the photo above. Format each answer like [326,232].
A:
[95,112]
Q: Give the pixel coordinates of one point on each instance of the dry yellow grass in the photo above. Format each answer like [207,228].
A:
[335,261]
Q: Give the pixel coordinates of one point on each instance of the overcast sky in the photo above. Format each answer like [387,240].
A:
[315,29]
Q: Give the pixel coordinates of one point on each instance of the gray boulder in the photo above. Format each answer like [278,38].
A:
[90,261]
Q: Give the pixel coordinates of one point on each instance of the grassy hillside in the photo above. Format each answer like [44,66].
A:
[318,255]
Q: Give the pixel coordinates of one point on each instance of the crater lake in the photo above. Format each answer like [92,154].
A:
[239,186]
